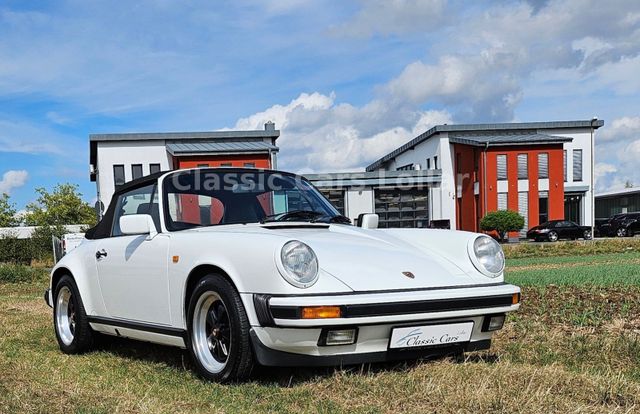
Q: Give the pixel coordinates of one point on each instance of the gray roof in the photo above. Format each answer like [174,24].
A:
[155,136]
[508,139]
[513,128]
[190,148]
[253,135]
[619,193]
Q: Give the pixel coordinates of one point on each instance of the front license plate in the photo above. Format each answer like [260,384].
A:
[430,335]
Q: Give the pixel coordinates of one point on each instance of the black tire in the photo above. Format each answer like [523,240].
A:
[621,232]
[239,358]
[552,236]
[587,235]
[81,332]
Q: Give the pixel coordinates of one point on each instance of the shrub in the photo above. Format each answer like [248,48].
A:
[17,251]
[502,221]
[20,274]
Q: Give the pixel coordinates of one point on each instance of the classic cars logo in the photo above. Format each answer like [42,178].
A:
[409,275]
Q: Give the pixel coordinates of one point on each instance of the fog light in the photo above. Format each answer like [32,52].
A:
[320,312]
[338,337]
[493,323]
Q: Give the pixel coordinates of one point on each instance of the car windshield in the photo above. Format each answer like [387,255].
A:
[209,197]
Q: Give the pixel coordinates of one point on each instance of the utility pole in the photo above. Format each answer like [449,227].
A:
[593,180]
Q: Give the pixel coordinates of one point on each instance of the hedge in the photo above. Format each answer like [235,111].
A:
[24,251]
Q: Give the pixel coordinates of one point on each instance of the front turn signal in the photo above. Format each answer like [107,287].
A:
[321,312]
[515,298]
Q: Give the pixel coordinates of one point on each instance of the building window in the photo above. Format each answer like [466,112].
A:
[336,197]
[502,201]
[564,165]
[225,164]
[523,210]
[154,168]
[543,207]
[118,175]
[202,166]
[402,208]
[428,163]
[250,165]
[502,167]
[523,167]
[136,171]
[543,165]
[435,162]
[577,165]
[407,167]
[458,162]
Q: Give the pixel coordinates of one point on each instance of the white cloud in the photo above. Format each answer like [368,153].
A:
[388,17]
[24,137]
[621,129]
[320,135]
[13,179]
[617,153]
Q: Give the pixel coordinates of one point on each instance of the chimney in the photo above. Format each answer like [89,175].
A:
[269,126]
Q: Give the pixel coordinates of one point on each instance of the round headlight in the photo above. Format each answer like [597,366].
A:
[488,255]
[299,263]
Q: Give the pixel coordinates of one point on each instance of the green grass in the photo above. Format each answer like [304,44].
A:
[574,346]
[572,248]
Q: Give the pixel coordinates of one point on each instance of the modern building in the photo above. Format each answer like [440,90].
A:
[118,158]
[615,202]
[540,169]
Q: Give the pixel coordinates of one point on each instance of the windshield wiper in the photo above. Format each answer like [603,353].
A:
[306,215]
[339,219]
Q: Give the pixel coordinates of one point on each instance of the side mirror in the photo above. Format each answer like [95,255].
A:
[368,221]
[137,224]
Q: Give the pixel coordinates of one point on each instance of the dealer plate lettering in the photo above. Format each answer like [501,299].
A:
[430,335]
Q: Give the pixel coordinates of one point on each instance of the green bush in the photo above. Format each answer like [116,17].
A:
[20,274]
[502,221]
[14,250]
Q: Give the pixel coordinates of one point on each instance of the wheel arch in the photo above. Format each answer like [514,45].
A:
[195,275]
[57,274]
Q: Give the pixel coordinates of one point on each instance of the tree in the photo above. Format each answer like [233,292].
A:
[63,206]
[502,221]
[7,212]
[628,184]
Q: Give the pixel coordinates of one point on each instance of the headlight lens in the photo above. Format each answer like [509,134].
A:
[489,256]
[300,264]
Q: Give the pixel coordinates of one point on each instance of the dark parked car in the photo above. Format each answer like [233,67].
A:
[559,229]
[621,225]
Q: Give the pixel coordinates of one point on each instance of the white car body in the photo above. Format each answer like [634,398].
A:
[381,279]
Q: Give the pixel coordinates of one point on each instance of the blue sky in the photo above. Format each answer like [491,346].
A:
[345,81]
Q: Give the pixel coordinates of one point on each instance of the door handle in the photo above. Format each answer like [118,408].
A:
[100,254]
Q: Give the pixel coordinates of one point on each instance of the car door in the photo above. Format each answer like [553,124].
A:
[132,269]
[564,229]
[576,230]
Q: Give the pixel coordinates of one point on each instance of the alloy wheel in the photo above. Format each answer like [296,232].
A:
[212,332]
[66,315]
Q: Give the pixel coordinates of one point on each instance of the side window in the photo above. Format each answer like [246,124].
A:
[143,200]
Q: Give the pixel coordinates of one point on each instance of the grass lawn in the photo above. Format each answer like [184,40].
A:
[574,346]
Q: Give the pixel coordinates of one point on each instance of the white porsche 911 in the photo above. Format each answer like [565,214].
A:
[246,266]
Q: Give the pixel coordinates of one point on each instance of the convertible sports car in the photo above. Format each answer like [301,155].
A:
[246,266]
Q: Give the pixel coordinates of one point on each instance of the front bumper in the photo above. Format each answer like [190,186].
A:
[282,337]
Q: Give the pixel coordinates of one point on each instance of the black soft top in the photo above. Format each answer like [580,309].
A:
[102,230]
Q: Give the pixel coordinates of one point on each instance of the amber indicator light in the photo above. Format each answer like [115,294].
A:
[320,312]
[515,298]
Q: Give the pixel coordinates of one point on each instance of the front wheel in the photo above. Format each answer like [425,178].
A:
[72,328]
[587,235]
[552,236]
[218,334]
[621,232]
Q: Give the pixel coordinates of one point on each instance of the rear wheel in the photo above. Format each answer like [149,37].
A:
[552,236]
[72,328]
[218,338]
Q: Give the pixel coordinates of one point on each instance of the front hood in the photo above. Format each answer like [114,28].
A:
[367,260]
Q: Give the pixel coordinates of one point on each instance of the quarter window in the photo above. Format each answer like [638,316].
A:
[143,200]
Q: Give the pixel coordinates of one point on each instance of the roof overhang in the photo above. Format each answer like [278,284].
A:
[376,179]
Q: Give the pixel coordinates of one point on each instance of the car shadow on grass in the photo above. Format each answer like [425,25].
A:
[180,360]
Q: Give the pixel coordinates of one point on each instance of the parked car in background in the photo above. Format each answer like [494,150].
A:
[621,225]
[246,266]
[559,229]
